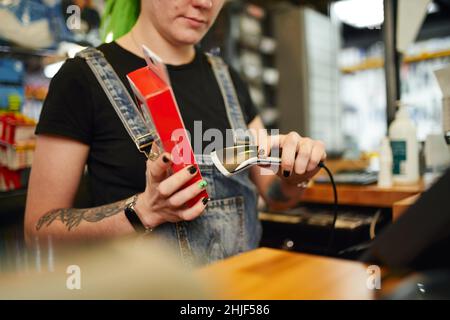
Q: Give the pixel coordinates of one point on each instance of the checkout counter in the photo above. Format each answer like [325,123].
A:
[270,273]
[414,242]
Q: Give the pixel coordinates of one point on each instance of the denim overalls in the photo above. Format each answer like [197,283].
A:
[229,225]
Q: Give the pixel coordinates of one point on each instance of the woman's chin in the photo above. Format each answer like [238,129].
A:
[189,38]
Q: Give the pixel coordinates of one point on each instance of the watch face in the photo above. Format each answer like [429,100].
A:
[129,201]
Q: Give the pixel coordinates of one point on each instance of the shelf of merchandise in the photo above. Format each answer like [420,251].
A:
[375,63]
[25,145]
[44,53]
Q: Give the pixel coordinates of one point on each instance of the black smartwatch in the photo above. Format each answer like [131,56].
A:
[132,216]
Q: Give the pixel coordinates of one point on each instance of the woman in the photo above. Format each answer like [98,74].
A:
[78,126]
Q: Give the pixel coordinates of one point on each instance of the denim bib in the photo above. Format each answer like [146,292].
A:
[229,225]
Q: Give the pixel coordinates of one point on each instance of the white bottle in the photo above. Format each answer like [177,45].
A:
[385,173]
[405,148]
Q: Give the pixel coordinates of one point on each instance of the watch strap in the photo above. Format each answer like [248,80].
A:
[131,215]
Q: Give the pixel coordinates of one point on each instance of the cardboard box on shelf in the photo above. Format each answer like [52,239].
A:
[16,129]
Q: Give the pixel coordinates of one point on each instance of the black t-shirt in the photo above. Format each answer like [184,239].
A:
[77,107]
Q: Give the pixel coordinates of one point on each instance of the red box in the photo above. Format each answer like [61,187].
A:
[10,179]
[16,129]
[153,91]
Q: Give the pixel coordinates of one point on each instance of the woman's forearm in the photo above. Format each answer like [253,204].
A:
[89,223]
[282,196]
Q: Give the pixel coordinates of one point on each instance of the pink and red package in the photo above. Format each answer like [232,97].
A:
[152,89]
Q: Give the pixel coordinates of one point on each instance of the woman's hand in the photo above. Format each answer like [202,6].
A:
[163,199]
[300,156]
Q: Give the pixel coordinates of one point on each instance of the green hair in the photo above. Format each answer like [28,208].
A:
[118,18]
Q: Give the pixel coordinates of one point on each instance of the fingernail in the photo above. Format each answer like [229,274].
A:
[192,169]
[205,201]
[286,173]
[202,184]
[165,159]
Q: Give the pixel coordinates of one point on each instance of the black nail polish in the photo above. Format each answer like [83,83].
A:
[192,169]
[286,173]
[165,159]
[205,201]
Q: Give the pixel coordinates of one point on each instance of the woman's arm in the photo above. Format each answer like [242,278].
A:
[58,165]
[56,172]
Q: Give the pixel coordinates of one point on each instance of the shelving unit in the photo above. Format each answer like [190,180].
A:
[375,63]
[18,51]
[308,44]
[248,45]
[12,202]
[256,51]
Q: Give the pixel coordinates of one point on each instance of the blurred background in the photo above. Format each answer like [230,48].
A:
[317,67]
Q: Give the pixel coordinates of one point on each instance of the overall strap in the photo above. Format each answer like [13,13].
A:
[141,132]
[232,105]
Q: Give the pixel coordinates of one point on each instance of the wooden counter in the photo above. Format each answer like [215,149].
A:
[401,206]
[275,274]
[371,195]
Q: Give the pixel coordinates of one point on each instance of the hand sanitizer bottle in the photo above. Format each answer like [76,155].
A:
[405,149]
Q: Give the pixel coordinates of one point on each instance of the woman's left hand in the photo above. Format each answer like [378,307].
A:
[300,156]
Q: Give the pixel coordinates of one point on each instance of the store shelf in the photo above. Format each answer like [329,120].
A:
[29,52]
[12,194]
[368,64]
[24,145]
[376,63]
[427,56]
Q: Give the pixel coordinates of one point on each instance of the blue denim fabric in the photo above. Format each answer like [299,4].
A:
[229,225]
[141,132]
[233,108]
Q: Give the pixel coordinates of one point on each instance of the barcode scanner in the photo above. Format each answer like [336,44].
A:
[233,160]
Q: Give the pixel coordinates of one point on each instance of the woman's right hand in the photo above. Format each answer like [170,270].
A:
[164,198]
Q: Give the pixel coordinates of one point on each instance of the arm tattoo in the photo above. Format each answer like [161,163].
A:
[275,193]
[73,217]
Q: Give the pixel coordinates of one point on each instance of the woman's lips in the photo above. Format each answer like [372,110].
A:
[194,22]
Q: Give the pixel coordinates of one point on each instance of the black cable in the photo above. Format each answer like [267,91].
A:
[333,225]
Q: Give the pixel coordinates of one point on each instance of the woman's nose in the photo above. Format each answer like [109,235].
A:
[204,4]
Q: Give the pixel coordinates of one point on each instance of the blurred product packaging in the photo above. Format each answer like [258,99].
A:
[34,24]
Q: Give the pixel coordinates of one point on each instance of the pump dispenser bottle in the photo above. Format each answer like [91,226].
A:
[405,149]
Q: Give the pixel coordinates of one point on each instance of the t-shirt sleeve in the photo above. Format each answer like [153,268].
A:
[248,107]
[68,107]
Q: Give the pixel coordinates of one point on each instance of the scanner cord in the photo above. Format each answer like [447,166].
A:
[335,214]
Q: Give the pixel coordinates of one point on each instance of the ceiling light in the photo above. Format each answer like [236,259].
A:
[360,14]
